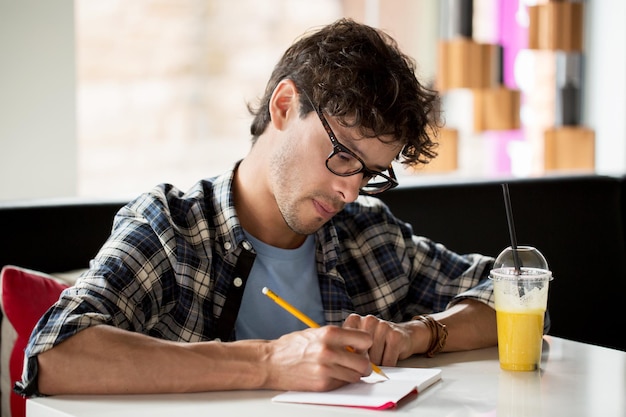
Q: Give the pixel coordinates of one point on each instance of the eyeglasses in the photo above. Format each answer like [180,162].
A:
[343,162]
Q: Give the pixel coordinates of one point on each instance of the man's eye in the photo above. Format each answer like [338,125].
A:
[345,157]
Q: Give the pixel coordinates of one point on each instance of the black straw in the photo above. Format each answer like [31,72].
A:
[509,218]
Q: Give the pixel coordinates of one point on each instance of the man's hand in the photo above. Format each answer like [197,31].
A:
[391,341]
[317,359]
[471,325]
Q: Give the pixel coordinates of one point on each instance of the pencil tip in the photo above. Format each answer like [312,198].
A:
[379,371]
[264,290]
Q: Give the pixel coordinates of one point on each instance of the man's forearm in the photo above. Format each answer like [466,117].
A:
[106,360]
[471,325]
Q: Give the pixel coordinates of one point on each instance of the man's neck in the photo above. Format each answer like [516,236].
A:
[257,210]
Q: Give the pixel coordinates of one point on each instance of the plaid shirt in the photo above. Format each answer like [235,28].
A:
[173,264]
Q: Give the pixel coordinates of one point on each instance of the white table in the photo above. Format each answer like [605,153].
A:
[576,380]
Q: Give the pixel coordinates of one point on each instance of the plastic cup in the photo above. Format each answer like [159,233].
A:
[521,299]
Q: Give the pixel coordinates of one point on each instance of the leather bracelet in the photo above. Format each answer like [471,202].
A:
[438,334]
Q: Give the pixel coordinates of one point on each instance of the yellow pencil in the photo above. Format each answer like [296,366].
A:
[306,320]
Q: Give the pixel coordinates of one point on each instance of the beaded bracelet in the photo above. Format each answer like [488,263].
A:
[438,334]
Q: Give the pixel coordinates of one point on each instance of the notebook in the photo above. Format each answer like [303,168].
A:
[371,392]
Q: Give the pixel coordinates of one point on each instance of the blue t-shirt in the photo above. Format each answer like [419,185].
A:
[290,273]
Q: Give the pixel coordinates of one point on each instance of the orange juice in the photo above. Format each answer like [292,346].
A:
[519,339]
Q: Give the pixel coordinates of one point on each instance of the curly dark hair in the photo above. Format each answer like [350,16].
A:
[358,74]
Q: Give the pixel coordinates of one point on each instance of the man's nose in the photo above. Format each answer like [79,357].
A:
[350,186]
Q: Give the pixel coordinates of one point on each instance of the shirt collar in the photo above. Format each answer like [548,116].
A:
[230,234]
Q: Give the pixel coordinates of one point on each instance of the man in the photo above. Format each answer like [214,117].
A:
[172,302]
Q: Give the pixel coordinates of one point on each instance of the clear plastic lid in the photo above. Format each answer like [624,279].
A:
[529,257]
[531,261]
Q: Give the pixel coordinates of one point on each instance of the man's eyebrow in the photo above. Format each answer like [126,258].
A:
[351,144]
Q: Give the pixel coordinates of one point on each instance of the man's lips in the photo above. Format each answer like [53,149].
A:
[325,210]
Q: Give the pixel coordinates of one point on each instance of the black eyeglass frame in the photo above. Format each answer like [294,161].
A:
[338,147]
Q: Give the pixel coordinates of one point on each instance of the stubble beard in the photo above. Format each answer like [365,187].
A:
[287,183]
[291,207]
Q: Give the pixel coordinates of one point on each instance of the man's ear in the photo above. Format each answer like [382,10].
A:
[283,103]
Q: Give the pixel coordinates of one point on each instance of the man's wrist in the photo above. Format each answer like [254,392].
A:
[438,334]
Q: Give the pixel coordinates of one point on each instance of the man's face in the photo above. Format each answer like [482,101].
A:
[306,192]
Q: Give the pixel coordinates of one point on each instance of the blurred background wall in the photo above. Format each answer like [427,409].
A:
[105,98]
